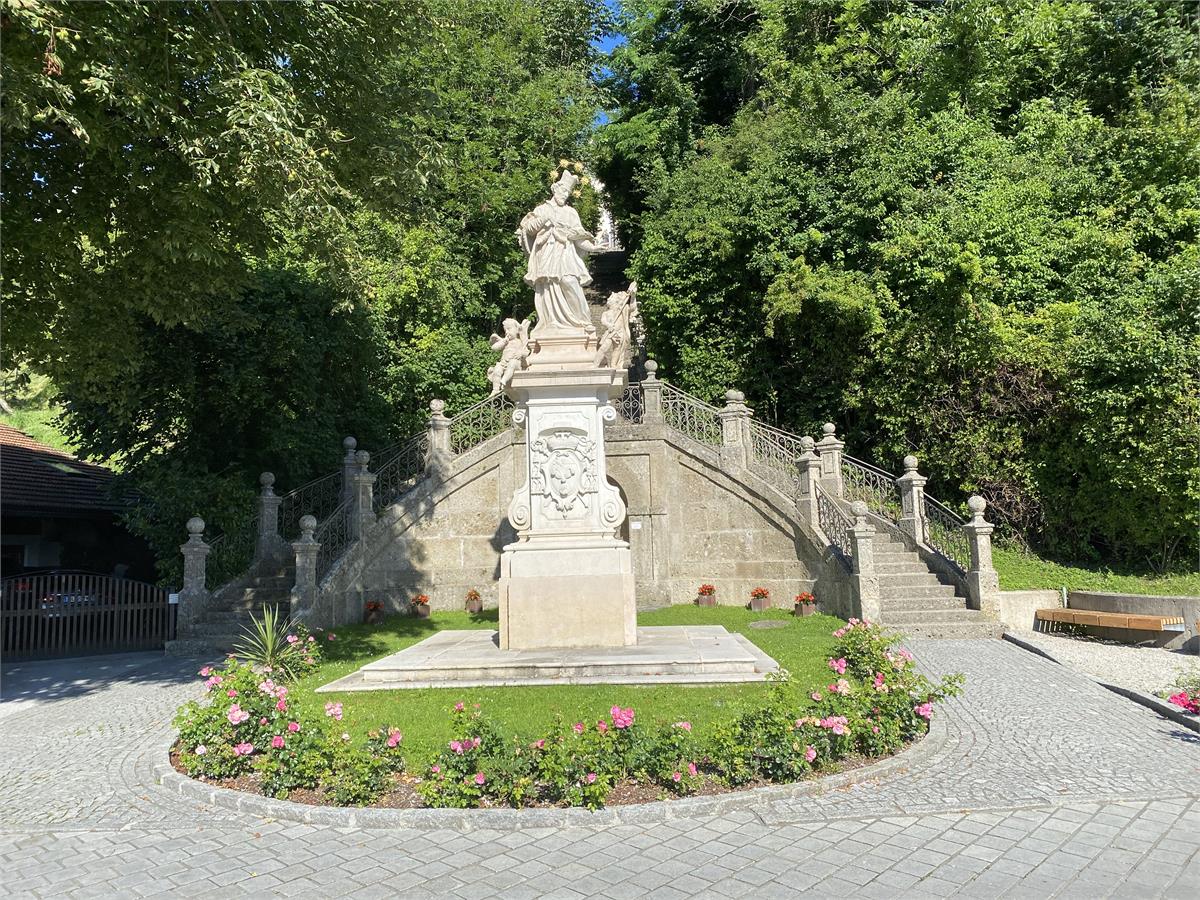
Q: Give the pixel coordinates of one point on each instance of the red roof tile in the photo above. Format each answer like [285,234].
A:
[35,478]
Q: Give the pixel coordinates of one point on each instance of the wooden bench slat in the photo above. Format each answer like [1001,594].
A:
[1099,619]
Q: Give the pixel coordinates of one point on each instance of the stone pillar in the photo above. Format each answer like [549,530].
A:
[437,460]
[651,394]
[809,472]
[735,430]
[567,581]
[304,591]
[830,449]
[862,562]
[983,583]
[912,500]
[362,515]
[193,598]
[349,466]
[268,544]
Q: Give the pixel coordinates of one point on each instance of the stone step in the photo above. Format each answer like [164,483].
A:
[901,618]
[921,578]
[909,604]
[911,565]
[903,592]
[982,629]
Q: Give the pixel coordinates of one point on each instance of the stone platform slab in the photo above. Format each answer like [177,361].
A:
[686,654]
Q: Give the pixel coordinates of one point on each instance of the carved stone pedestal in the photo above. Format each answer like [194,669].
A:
[568,580]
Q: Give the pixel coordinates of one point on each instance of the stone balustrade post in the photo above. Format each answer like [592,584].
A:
[735,430]
[808,467]
[362,515]
[437,460]
[193,597]
[983,583]
[912,500]
[268,544]
[862,562]
[651,393]
[349,466]
[304,591]
[830,449]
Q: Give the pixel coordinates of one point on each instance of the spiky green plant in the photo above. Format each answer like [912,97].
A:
[265,644]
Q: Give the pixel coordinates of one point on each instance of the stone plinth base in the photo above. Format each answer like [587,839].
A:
[572,595]
[688,654]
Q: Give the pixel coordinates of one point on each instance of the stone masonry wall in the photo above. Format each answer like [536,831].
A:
[689,523]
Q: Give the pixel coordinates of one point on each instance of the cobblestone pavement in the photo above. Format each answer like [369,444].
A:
[1047,785]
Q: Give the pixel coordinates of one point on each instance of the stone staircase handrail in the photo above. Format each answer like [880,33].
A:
[835,524]
[334,535]
[691,416]
[944,534]
[402,464]
[480,422]
[874,486]
[318,498]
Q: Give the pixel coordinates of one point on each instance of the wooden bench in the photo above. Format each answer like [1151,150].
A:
[1110,620]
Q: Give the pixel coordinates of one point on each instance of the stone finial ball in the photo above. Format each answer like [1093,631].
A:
[651,367]
[349,443]
[807,444]
[437,407]
[308,523]
[858,508]
[910,464]
[195,525]
[828,429]
[362,457]
[976,505]
[267,479]
[732,396]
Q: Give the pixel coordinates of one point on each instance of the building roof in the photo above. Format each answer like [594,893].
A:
[36,479]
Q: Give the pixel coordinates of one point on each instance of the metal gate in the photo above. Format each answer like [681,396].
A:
[77,614]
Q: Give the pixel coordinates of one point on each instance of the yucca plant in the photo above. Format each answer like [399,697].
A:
[266,644]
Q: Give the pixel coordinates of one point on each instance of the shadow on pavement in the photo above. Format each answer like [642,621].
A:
[35,681]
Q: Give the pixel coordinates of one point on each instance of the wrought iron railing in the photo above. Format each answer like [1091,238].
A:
[318,498]
[479,422]
[775,455]
[231,552]
[873,486]
[334,536]
[944,534]
[401,466]
[631,404]
[690,416]
[835,523]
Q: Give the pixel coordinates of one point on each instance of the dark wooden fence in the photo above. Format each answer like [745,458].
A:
[73,615]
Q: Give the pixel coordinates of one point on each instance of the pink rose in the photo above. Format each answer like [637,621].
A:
[686,726]
[838,665]
[331,636]
[810,753]
[394,738]
[334,711]
[539,744]
[236,715]
[577,728]
[311,639]
[676,776]
[201,750]
[591,777]
[601,726]
[480,778]
[293,727]
[692,769]
[206,671]
[457,747]
[231,693]
[262,721]
[281,706]
[435,769]
[277,742]
[243,749]
[459,706]
[291,639]
[925,710]
[816,696]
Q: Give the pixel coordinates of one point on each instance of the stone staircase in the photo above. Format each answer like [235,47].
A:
[232,609]
[917,602]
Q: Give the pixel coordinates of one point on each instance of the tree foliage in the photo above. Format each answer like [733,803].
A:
[963,230]
[235,233]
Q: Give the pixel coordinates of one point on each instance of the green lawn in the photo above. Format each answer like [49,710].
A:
[1023,571]
[802,647]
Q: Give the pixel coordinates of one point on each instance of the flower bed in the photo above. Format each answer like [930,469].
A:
[249,734]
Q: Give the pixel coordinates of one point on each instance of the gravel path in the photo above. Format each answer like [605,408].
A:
[1145,669]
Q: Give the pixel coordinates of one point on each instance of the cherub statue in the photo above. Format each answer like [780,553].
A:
[615,349]
[514,350]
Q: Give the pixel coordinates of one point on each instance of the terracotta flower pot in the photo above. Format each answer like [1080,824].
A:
[758,604]
[474,607]
[706,599]
[806,609]
[421,610]
[372,616]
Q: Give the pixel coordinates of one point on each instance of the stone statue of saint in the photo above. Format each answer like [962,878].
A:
[620,313]
[514,350]
[557,245]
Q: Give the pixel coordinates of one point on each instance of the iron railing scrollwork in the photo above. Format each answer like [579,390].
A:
[318,498]
[631,404]
[944,534]
[333,535]
[835,523]
[399,470]
[775,454]
[873,486]
[232,551]
[479,422]
[691,416]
